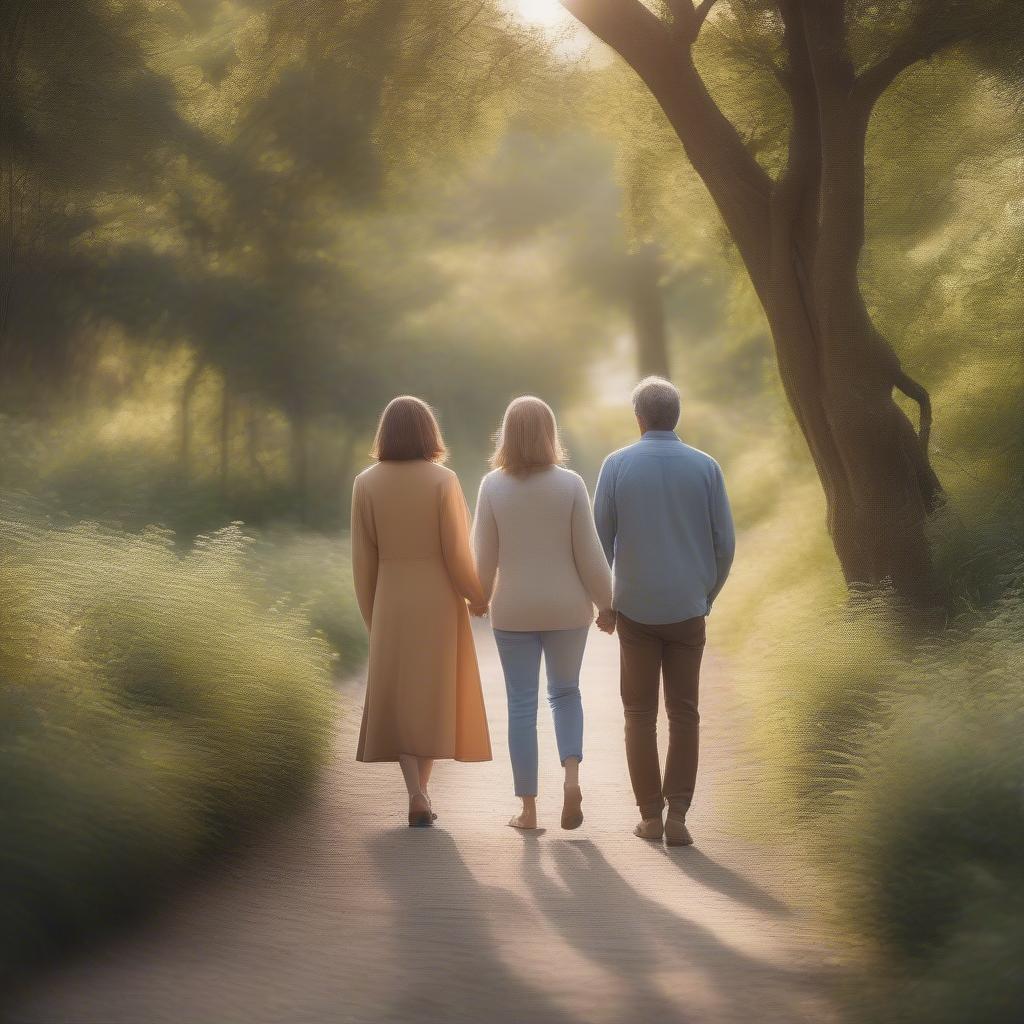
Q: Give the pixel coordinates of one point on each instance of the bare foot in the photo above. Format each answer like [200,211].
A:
[572,807]
[676,832]
[650,828]
[523,820]
[526,818]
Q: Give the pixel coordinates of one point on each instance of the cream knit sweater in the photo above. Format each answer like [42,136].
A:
[537,551]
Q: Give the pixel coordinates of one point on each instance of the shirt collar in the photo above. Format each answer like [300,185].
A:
[660,435]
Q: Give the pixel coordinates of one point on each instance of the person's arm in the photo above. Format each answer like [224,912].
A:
[723,533]
[363,542]
[604,509]
[455,545]
[485,541]
[588,551]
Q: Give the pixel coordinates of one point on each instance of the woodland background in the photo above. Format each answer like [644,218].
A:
[231,231]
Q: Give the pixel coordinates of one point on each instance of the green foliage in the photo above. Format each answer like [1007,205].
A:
[135,481]
[889,751]
[299,199]
[312,574]
[891,754]
[322,205]
[153,709]
[928,837]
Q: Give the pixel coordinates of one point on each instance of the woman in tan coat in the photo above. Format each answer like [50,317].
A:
[414,573]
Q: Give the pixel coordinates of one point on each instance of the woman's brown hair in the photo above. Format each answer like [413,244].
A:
[408,430]
[528,439]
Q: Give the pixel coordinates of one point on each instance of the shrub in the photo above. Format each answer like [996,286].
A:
[153,709]
[312,574]
[892,756]
[931,833]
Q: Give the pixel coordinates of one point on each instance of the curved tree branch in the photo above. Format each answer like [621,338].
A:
[687,20]
[739,185]
[638,35]
[925,36]
[917,393]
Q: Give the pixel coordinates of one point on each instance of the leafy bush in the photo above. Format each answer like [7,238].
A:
[312,574]
[131,480]
[891,753]
[131,484]
[152,708]
[930,836]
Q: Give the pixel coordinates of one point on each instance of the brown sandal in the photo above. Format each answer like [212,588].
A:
[420,818]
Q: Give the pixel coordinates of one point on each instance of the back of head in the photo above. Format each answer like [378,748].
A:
[408,430]
[528,439]
[656,403]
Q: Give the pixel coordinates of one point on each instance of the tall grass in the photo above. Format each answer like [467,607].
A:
[892,755]
[312,574]
[153,707]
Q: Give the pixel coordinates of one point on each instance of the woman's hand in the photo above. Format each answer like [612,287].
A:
[478,611]
[606,620]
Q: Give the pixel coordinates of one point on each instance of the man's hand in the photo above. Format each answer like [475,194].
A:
[478,611]
[606,620]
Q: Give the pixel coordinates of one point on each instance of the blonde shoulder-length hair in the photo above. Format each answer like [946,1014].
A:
[528,439]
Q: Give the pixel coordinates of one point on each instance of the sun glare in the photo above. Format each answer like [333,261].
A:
[541,12]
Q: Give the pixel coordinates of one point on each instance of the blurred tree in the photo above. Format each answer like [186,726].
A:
[648,308]
[800,232]
[553,181]
[81,116]
[268,211]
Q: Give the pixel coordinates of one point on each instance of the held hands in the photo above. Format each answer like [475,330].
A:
[606,620]
[478,611]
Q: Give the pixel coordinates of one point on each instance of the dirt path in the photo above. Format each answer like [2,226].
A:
[349,916]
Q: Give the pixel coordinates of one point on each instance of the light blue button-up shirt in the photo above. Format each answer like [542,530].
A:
[663,518]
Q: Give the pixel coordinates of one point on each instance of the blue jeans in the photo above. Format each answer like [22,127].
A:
[520,654]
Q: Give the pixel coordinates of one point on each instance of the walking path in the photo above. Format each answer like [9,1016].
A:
[346,916]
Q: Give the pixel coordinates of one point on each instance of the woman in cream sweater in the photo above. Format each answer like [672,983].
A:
[542,569]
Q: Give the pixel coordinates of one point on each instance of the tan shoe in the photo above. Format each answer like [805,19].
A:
[650,829]
[676,832]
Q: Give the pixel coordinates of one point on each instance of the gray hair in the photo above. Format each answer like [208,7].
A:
[656,402]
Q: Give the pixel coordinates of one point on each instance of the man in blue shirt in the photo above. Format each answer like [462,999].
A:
[663,518]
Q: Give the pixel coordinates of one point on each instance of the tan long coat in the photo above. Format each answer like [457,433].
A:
[413,574]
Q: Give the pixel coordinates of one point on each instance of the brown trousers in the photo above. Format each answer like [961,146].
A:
[646,653]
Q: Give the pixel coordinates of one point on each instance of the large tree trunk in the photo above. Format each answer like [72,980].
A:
[879,489]
[800,238]
[880,529]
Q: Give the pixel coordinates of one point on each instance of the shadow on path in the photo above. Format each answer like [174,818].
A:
[612,924]
[712,875]
[446,961]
